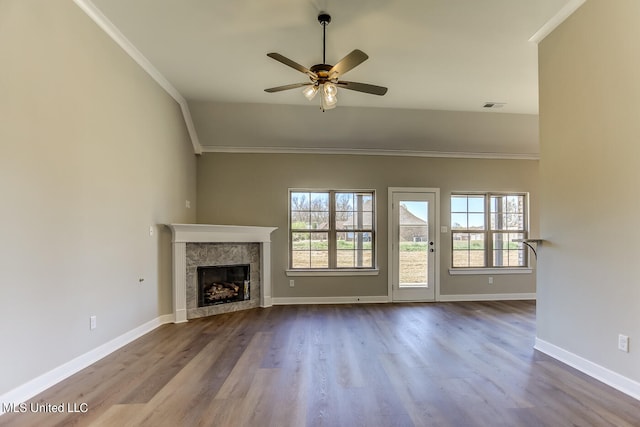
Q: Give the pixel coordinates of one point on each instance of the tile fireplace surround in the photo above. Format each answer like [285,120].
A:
[206,233]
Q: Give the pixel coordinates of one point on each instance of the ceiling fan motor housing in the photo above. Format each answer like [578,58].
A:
[324,18]
[322,71]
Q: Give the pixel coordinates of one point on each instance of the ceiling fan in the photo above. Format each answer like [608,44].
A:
[325,78]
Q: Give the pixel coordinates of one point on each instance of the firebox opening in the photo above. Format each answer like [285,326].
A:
[223,284]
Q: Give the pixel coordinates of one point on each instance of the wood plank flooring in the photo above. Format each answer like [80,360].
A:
[439,364]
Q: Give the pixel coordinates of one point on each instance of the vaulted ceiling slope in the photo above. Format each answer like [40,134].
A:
[441,60]
[294,128]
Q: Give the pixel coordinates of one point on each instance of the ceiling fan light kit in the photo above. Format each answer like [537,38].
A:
[310,92]
[327,76]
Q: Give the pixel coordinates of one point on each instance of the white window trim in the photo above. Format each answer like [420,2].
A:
[333,272]
[461,271]
[364,271]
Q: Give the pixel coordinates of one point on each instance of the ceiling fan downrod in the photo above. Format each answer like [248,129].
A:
[324,19]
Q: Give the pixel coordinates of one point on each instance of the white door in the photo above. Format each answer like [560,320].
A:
[413,244]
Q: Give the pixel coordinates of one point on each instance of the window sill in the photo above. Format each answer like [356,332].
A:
[340,272]
[492,271]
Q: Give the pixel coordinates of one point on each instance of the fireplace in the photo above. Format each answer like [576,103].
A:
[201,245]
[223,284]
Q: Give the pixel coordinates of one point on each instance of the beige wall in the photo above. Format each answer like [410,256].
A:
[588,282]
[92,153]
[251,189]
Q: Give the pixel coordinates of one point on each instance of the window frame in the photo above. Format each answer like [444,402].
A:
[489,234]
[332,231]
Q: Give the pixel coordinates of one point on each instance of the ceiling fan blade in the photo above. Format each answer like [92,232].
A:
[352,60]
[363,87]
[292,64]
[286,87]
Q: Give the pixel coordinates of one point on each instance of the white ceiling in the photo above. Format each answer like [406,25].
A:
[450,55]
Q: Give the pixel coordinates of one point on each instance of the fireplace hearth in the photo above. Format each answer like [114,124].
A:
[223,284]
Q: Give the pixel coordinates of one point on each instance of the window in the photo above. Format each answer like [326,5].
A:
[331,229]
[483,227]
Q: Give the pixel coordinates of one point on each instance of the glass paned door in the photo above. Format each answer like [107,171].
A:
[413,246]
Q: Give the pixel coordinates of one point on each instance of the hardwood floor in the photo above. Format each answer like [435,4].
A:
[440,364]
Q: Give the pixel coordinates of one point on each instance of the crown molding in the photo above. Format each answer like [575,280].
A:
[112,31]
[556,20]
[369,152]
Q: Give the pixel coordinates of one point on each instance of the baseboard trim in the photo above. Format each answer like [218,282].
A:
[330,300]
[600,373]
[37,385]
[384,298]
[487,297]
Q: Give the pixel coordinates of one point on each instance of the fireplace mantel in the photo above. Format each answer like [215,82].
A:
[203,233]
[208,233]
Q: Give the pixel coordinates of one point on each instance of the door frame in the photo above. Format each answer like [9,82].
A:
[436,226]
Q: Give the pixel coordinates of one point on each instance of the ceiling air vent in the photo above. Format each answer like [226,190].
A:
[494,104]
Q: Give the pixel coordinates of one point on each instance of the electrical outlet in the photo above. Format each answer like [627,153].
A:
[292,283]
[93,322]
[491,280]
[623,343]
